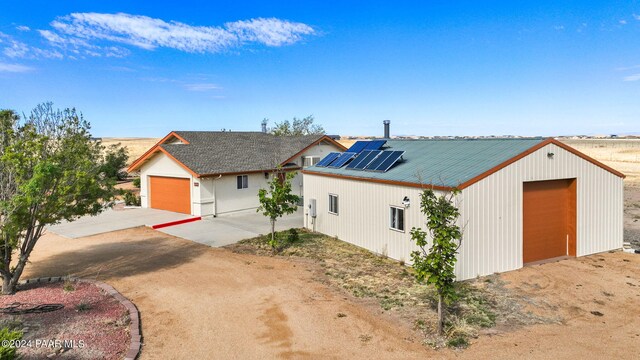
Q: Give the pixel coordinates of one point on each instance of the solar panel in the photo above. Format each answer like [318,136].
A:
[375,144]
[358,146]
[328,159]
[389,161]
[342,159]
[377,161]
[363,159]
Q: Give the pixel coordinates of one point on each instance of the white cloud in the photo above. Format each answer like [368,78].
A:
[270,32]
[623,22]
[559,27]
[81,47]
[201,87]
[634,77]
[14,68]
[23,28]
[17,49]
[150,33]
[636,16]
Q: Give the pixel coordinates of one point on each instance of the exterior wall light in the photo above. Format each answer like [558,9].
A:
[406,202]
[550,155]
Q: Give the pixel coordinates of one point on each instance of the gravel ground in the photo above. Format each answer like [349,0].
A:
[93,323]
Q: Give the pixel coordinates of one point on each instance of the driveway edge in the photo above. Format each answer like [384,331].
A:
[135,344]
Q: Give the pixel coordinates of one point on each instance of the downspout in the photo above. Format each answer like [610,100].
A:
[215,197]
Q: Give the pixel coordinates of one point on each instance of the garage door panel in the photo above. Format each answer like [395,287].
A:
[549,219]
[169,193]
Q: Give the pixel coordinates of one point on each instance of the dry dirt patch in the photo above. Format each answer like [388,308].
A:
[578,308]
[197,302]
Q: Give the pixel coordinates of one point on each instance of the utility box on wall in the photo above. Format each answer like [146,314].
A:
[312,207]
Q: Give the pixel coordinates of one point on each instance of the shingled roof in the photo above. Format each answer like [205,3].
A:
[216,152]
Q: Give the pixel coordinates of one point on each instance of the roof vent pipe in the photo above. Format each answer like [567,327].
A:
[386,129]
[264,126]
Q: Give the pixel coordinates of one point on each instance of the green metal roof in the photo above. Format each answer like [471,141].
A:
[446,163]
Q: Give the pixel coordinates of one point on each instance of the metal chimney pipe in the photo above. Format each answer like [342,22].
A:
[386,129]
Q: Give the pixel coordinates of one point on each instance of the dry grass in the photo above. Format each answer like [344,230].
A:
[482,304]
[136,146]
[621,154]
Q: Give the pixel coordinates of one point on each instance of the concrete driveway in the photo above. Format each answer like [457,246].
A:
[228,229]
[112,220]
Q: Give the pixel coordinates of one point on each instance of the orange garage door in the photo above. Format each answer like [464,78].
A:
[171,194]
[549,210]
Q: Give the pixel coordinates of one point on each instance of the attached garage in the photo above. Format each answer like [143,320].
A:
[521,201]
[211,173]
[170,193]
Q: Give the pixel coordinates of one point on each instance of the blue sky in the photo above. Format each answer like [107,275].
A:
[144,68]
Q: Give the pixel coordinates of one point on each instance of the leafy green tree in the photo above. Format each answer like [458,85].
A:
[115,160]
[304,126]
[437,265]
[50,170]
[277,201]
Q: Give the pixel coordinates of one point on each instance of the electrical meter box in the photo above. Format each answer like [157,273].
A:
[312,207]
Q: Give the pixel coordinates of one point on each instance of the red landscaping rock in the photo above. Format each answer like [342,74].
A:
[92,325]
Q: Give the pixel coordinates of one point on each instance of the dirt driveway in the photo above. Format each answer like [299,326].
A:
[199,302]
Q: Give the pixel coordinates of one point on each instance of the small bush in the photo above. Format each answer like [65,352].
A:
[130,199]
[460,342]
[6,334]
[293,236]
[83,306]
[68,285]
[136,182]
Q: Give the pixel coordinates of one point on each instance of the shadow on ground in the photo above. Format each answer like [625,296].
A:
[120,257]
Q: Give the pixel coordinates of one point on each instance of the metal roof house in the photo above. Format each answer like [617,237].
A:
[521,201]
[207,173]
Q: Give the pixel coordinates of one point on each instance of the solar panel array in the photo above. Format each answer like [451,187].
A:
[342,159]
[328,159]
[363,155]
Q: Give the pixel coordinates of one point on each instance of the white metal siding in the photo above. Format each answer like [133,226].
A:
[491,212]
[363,213]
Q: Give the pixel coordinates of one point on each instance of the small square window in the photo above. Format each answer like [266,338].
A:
[310,160]
[242,181]
[396,218]
[333,204]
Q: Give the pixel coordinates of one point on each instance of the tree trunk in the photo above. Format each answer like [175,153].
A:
[6,286]
[440,315]
[273,234]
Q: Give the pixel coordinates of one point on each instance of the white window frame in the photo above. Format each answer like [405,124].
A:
[337,209]
[391,213]
[244,182]
[312,160]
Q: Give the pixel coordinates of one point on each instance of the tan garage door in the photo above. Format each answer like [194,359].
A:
[171,194]
[549,210]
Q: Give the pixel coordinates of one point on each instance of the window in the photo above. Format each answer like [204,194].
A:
[396,218]
[310,160]
[333,204]
[243,181]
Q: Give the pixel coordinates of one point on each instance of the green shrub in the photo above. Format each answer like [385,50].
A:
[136,182]
[6,352]
[293,236]
[130,199]
[83,306]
